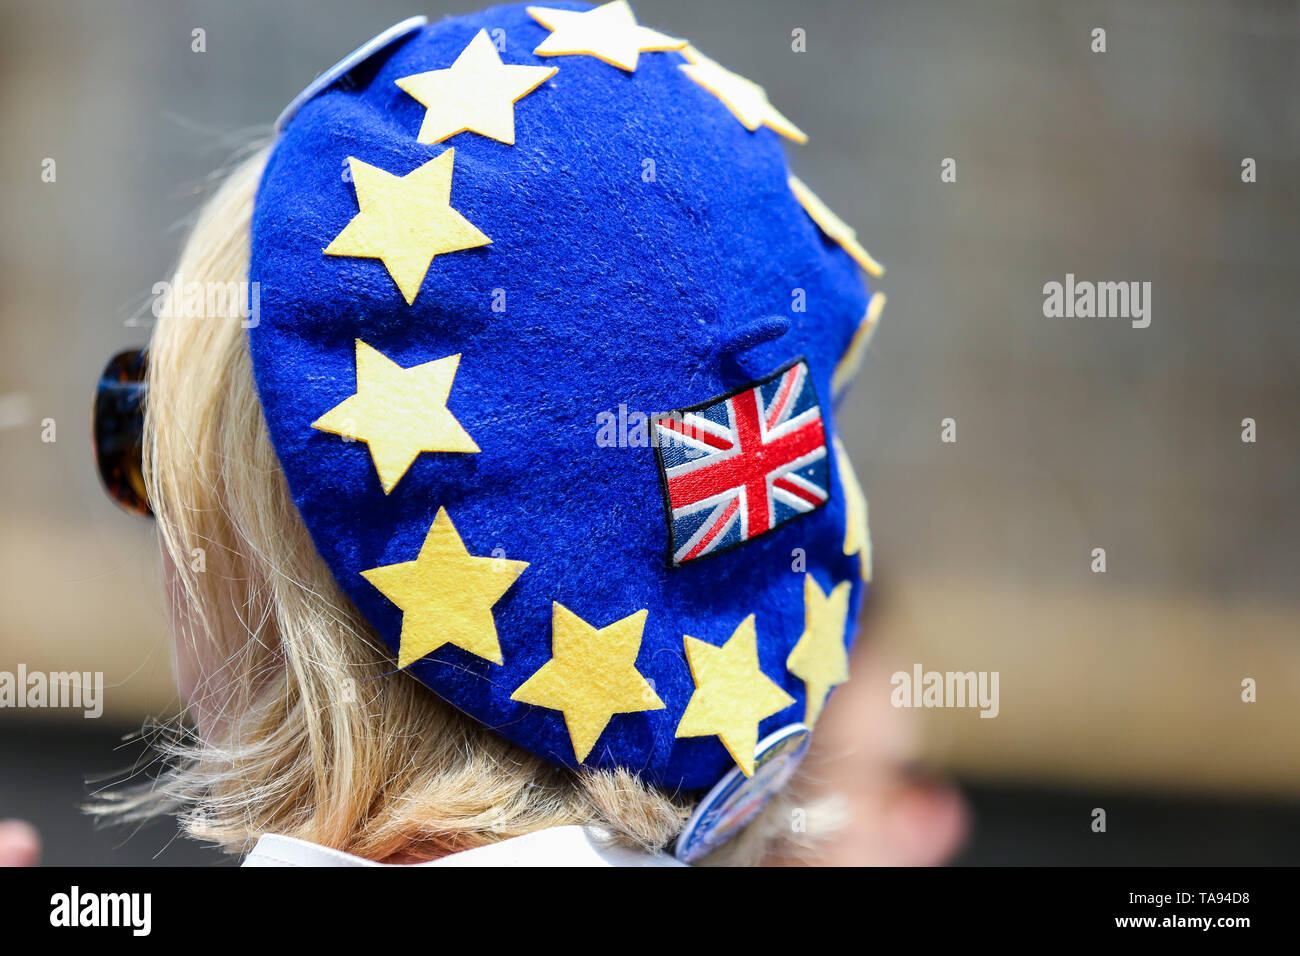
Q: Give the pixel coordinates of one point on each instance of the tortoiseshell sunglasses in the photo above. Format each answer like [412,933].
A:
[118,430]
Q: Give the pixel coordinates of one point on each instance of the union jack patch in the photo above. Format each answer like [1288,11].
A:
[739,465]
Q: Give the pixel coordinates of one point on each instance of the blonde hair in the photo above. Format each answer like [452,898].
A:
[313,733]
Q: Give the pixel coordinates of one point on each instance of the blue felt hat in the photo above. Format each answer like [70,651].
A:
[547,346]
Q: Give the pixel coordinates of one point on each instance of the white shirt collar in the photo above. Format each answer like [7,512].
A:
[555,846]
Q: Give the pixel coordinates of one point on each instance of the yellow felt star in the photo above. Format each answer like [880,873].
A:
[857,537]
[819,659]
[746,99]
[731,694]
[834,227]
[591,676]
[399,412]
[847,367]
[446,595]
[405,221]
[477,93]
[609,32]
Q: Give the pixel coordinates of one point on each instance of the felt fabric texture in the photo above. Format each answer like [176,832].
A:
[848,366]
[857,533]
[820,659]
[609,32]
[745,98]
[446,595]
[834,227]
[645,252]
[591,677]
[477,93]
[405,221]
[732,694]
[399,412]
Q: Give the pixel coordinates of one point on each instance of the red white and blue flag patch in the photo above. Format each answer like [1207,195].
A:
[739,465]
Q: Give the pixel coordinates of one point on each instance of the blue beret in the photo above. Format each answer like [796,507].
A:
[547,359]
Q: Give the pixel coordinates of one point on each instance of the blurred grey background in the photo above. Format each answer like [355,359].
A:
[1072,434]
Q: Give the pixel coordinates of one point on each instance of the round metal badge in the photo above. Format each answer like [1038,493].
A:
[735,799]
[398,31]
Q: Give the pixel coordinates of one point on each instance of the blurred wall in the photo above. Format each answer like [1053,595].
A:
[1072,434]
